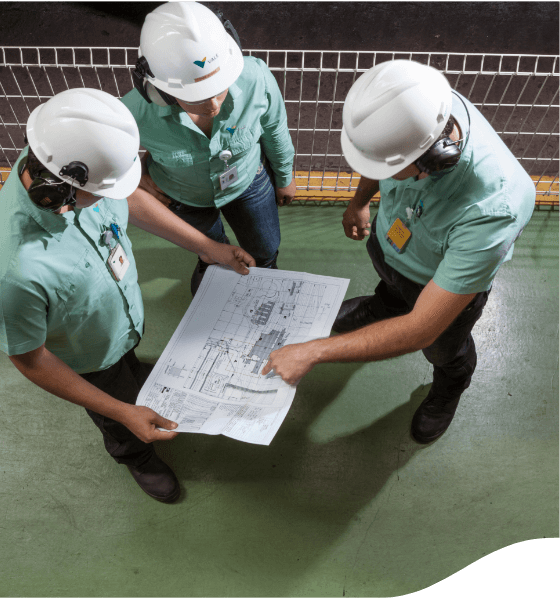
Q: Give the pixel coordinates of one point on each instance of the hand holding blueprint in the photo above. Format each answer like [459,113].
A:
[208,377]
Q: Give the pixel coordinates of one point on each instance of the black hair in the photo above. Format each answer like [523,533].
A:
[34,165]
[449,126]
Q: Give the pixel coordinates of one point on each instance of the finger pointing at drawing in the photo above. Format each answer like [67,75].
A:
[291,362]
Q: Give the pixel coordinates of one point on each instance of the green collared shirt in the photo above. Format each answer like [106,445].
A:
[56,287]
[470,215]
[185,162]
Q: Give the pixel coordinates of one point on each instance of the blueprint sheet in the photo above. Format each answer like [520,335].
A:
[208,377]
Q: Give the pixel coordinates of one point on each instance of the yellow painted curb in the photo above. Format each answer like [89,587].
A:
[333,186]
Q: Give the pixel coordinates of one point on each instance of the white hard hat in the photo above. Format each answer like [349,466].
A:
[392,115]
[93,128]
[189,52]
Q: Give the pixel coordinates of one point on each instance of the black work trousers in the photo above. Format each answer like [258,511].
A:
[453,354]
[122,381]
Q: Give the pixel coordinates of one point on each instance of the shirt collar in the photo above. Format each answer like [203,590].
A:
[235,91]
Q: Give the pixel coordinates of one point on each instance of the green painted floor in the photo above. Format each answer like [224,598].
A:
[343,502]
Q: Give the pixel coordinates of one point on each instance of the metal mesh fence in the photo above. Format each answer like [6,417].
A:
[518,94]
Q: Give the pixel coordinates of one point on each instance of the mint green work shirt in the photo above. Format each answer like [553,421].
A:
[185,162]
[56,287]
[471,215]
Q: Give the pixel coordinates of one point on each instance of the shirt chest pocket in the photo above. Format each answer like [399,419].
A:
[87,291]
[424,242]
[243,141]
[182,159]
[189,163]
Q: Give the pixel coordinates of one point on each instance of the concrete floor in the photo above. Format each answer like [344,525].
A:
[343,502]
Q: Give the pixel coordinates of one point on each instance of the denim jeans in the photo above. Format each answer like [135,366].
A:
[122,381]
[253,216]
[453,354]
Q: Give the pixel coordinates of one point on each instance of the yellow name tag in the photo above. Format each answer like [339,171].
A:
[398,235]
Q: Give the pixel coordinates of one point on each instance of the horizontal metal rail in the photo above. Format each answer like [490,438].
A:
[517,93]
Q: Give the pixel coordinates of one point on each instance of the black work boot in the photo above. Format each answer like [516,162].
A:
[355,313]
[432,418]
[156,479]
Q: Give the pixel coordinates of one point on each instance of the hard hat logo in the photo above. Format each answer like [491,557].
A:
[200,63]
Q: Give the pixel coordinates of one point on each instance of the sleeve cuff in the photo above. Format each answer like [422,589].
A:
[283,180]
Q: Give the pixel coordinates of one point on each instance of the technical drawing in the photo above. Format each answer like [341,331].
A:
[260,316]
[208,379]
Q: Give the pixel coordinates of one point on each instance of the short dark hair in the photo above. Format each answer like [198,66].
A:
[35,166]
[449,126]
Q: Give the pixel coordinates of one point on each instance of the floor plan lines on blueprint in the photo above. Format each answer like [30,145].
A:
[260,315]
[208,377]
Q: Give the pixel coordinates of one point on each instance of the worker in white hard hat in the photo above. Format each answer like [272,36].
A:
[215,129]
[71,310]
[453,201]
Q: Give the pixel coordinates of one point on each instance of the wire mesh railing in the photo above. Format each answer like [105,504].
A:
[518,94]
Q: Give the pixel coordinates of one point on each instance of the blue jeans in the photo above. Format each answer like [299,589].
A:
[253,216]
[453,353]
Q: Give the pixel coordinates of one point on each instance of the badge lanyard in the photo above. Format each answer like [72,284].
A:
[118,261]
[229,175]
[399,234]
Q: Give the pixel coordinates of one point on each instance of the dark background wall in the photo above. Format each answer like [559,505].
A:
[493,27]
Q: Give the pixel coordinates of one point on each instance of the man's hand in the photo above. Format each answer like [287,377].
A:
[143,422]
[285,195]
[355,221]
[292,362]
[228,255]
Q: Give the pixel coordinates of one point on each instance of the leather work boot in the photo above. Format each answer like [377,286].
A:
[156,479]
[432,418]
[354,314]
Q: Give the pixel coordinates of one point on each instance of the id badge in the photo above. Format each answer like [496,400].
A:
[228,177]
[118,262]
[398,235]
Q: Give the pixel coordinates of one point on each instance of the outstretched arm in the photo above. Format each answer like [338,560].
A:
[434,311]
[149,214]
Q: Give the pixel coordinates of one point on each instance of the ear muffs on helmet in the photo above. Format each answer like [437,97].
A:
[445,153]
[146,89]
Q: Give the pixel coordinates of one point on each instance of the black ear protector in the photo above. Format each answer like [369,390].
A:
[444,153]
[149,92]
[51,194]
[146,89]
